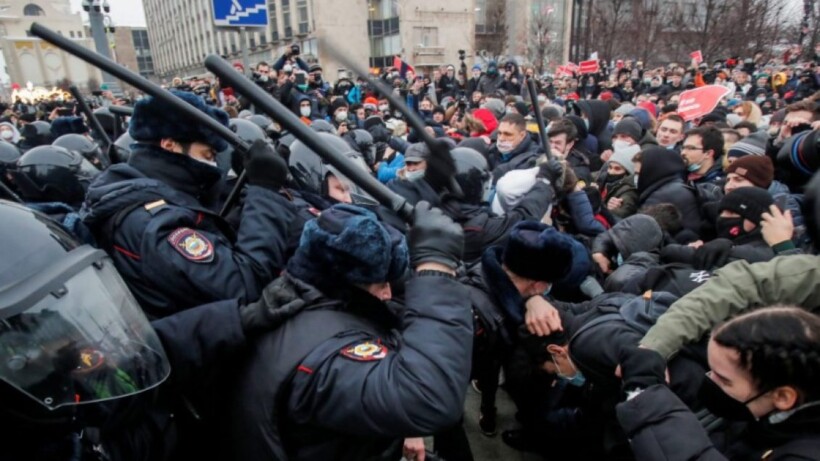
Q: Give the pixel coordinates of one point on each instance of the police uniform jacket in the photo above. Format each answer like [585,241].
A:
[348,380]
[173,251]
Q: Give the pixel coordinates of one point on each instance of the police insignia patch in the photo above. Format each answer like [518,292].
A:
[366,351]
[192,245]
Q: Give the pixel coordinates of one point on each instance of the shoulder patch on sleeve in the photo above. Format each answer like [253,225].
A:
[365,351]
[192,245]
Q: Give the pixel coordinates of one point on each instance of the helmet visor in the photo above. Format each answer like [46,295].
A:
[74,335]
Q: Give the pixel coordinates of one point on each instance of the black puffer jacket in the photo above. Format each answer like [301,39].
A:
[661,181]
[660,426]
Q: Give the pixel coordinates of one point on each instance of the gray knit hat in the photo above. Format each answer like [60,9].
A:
[754,144]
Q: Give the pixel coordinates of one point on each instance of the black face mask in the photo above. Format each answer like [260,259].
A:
[722,404]
[730,228]
[613,178]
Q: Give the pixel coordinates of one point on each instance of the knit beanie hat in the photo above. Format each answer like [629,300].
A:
[628,127]
[754,144]
[623,156]
[624,109]
[348,243]
[153,119]
[749,202]
[337,103]
[536,251]
[757,170]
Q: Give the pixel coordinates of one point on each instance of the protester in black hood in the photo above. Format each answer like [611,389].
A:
[660,180]
[738,231]
[626,251]
[596,114]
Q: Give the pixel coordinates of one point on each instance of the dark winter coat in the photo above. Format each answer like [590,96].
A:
[660,426]
[661,181]
[522,157]
[173,251]
[345,379]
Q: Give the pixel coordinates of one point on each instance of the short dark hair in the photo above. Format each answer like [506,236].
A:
[563,126]
[746,124]
[666,215]
[516,120]
[711,138]
[262,63]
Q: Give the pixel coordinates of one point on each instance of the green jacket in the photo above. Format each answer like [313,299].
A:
[734,289]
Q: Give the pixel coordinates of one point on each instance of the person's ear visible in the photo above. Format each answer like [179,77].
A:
[785,398]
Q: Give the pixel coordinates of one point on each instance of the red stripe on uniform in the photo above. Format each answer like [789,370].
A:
[305,369]
[199,218]
[127,253]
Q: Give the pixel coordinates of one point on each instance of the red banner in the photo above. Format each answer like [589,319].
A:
[697,56]
[700,101]
[588,67]
[572,67]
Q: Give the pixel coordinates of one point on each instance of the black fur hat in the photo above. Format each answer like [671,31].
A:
[153,120]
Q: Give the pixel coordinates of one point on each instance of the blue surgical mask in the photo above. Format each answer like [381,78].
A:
[577,380]
[692,168]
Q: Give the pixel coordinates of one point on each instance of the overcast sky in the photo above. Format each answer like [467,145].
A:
[123,12]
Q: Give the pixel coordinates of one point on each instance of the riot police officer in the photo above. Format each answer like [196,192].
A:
[154,215]
[344,377]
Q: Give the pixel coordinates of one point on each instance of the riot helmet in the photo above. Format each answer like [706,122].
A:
[311,173]
[74,343]
[34,134]
[122,148]
[363,143]
[80,144]
[472,174]
[53,174]
[108,121]
[247,130]
[323,126]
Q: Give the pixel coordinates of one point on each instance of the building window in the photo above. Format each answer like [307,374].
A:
[33,10]
[302,15]
[71,33]
[274,26]
[79,34]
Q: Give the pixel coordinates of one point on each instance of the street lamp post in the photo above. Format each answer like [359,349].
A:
[96,20]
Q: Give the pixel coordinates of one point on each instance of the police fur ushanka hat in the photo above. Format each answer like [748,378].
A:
[154,120]
[349,243]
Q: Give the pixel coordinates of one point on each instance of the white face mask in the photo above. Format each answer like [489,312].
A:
[383,108]
[341,116]
[6,134]
[207,162]
[620,144]
[505,147]
[288,68]
[305,111]
[414,175]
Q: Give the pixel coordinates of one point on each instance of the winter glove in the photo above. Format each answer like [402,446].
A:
[434,237]
[552,171]
[712,255]
[641,368]
[264,167]
[279,301]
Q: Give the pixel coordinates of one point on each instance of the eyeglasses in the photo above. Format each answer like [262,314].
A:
[695,148]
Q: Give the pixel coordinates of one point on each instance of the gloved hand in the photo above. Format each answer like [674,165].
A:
[434,237]
[279,301]
[552,171]
[712,255]
[641,368]
[441,168]
[265,168]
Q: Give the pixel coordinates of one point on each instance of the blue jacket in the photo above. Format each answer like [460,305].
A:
[387,170]
[583,218]
[173,252]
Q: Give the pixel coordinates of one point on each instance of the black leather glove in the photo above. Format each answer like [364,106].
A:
[552,171]
[280,300]
[641,368]
[434,237]
[264,167]
[712,255]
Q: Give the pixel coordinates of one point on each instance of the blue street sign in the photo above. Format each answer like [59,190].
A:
[241,13]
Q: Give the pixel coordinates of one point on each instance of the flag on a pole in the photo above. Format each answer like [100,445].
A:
[697,56]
